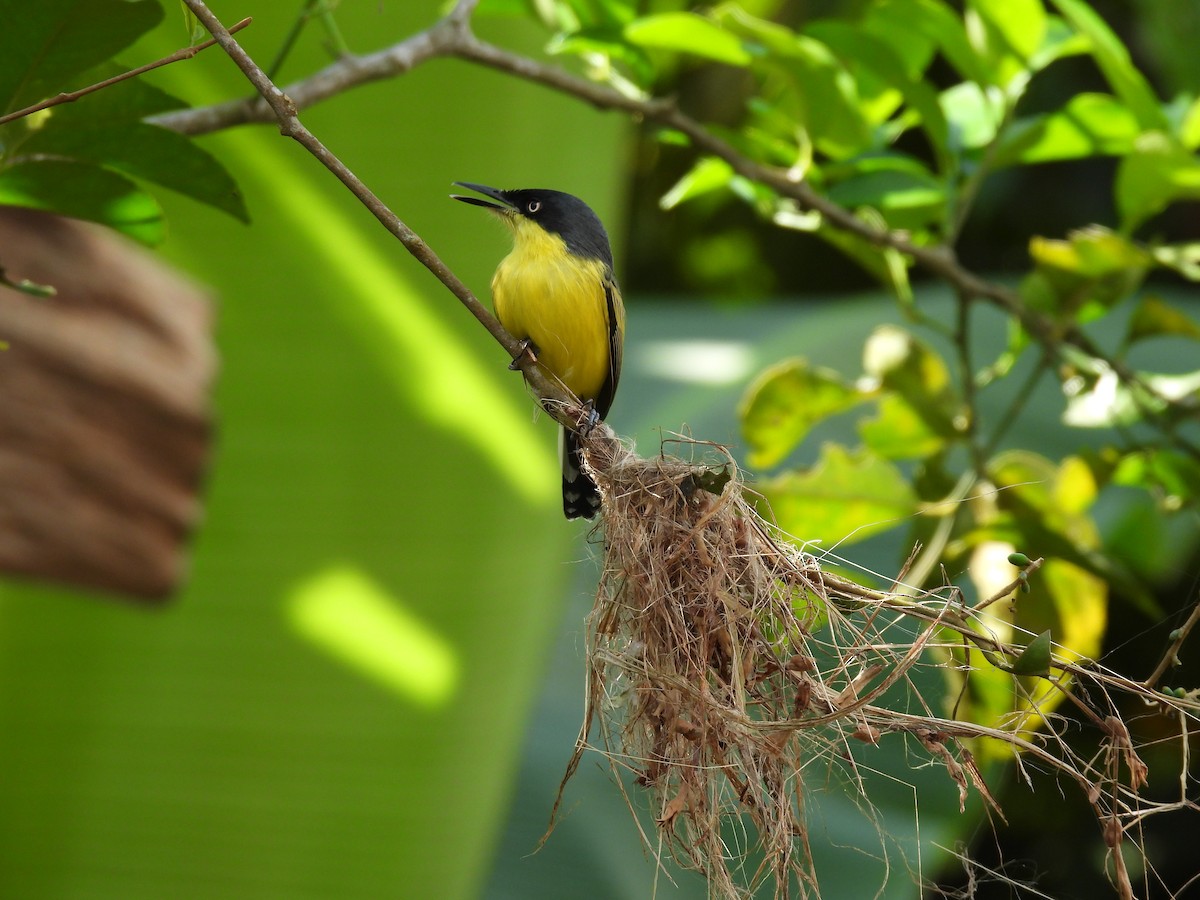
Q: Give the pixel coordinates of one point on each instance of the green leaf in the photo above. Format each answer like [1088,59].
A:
[1059,42]
[1078,606]
[892,22]
[608,42]
[1098,398]
[1154,317]
[706,175]
[1007,33]
[1089,125]
[1114,61]
[905,365]
[1035,658]
[844,498]
[1176,388]
[145,151]
[885,79]
[1174,477]
[191,24]
[1181,258]
[872,163]
[1014,27]
[974,114]
[937,22]
[899,432]
[888,266]
[602,13]
[785,402]
[906,199]
[771,134]
[1092,253]
[84,192]
[1043,508]
[856,50]
[685,32]
[517,8]
[1084,276]
[821,95]
[130,100]
[44,44]
[1189,127]
[1158,173]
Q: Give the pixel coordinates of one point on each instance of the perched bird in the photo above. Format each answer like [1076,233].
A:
[557,292]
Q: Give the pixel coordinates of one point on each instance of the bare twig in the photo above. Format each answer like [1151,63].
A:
[72,96]
[348,72]
[1171,657]
[1013,585]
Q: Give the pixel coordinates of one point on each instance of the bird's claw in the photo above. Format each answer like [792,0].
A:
[527,349]
[591,418]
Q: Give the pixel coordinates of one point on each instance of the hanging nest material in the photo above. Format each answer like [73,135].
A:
[707,680]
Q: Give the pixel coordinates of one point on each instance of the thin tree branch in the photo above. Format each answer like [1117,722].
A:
[337,77]
[452,37]
[559,402]
[72,96]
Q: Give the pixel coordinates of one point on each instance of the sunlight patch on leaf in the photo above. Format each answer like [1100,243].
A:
[356,621]
[84,192]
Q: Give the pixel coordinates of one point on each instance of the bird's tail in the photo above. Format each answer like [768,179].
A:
[581,497]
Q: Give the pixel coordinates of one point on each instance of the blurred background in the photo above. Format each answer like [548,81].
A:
[372,681]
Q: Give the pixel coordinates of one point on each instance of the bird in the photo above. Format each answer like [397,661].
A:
[557,294]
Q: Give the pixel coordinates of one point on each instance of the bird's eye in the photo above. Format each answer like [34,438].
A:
[533,205]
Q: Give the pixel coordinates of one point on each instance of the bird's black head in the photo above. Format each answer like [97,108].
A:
[558,213]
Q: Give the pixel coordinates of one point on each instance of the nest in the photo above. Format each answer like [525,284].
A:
[707,682]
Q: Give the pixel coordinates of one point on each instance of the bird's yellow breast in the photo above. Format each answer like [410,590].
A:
[555,299]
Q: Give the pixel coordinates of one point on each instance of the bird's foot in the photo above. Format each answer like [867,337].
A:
[591,418]
[528,348]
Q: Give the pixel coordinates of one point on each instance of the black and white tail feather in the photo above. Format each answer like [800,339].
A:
[581,497]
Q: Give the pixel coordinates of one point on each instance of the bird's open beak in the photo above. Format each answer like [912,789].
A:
[504,207]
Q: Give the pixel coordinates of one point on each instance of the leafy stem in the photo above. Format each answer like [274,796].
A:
[71,96]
